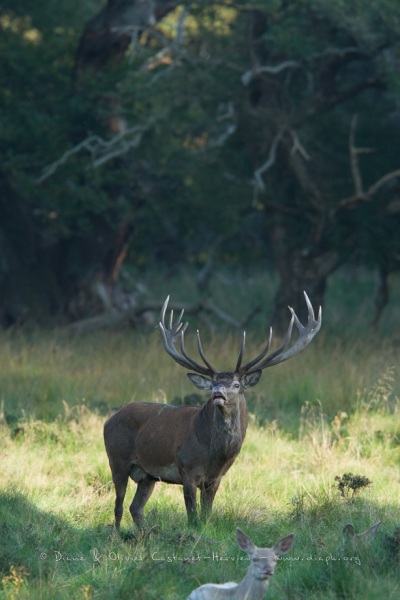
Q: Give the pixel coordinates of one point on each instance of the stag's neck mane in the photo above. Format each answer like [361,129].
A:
[228,429]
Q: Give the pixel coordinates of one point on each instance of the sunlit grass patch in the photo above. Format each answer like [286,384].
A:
[334,410]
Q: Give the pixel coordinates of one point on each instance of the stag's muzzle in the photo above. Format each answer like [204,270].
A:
[219,395]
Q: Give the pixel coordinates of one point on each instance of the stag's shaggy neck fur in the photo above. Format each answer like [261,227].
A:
[230,428]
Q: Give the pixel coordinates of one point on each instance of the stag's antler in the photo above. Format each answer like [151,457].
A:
[176,332]
[306,334]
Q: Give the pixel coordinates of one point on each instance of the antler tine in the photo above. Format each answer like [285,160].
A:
[287,338]
[203,356]
[164,310]
[253,362]
[193,363]
[179,325]
[173,329]
[309,306]
[306,334]
[240,357]
[170,348]
[177,331]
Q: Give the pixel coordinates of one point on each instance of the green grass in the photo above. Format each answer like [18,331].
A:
[334,409]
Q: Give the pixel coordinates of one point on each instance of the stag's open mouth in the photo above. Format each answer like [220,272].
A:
[219,399]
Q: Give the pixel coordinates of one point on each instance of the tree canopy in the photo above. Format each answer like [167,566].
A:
[137,132]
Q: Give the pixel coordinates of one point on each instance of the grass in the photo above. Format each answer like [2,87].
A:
[331,411]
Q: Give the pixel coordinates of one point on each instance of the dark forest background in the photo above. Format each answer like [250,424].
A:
[139,134]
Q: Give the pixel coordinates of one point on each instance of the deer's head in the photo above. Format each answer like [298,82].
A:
[263,560]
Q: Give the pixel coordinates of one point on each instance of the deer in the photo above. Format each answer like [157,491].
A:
[191,446]
[254,585]
[358,540]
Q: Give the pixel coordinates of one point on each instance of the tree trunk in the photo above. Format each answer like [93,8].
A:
[300,270]
[381,296]
[108,35]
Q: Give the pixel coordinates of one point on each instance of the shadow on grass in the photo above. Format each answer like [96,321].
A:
[39,541]
[43,555]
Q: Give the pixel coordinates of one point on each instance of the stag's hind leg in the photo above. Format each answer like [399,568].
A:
[120,483]
[144,490]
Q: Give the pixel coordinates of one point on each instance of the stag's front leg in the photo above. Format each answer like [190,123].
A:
[189,494]
[207,496]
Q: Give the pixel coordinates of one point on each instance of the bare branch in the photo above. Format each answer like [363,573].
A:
[367,196]
[298,146]
[268,163]
[381,182]
[247,320]
[355,171]
[221,314]
[360,195]
[272,69]
[354,154]
[116,318]
[226,318]
[118,147]
[349,53]
[84,145]
[165,56]
[102,150]
[113,318]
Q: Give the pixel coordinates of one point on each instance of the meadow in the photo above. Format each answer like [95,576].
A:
[331,411]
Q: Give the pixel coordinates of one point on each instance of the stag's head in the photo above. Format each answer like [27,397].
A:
[227,386]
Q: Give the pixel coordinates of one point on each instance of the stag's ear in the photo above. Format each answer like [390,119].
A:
[244,542]
[201,382]
[284,545]
[251,379]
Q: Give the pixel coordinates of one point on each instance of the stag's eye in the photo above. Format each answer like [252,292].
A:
[237,385]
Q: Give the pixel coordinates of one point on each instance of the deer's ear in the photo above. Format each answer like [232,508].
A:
[348,530]
[251,379]
[372,531]
[284,545]
[244,542]
[201,382]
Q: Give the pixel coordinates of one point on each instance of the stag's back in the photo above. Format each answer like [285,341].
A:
[147,432]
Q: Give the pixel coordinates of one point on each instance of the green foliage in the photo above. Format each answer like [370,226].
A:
[349,485]
[188,178]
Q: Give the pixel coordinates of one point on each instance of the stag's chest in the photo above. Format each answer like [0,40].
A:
[223,451]
[228,444]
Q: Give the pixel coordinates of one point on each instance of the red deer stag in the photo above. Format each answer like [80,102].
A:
[189,445]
